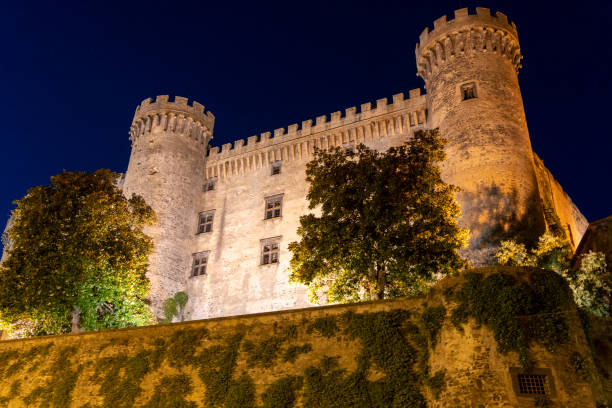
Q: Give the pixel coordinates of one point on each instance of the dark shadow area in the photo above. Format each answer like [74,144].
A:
[493,216]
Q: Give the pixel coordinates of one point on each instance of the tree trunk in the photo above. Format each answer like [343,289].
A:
[372,278]
[76,319]
[381,282]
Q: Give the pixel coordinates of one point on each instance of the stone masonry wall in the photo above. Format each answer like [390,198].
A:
[489,154]
[169,142]
[235,281]
[295,358]
[556,200]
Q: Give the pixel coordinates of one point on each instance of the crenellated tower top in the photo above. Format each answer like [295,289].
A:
[177,116]
[466,33]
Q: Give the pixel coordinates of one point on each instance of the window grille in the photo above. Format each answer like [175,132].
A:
[533,384]
[205,221]
[200,261]
[273,206]
[468,91]
[270,249]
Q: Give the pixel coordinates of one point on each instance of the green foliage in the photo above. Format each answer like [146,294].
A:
[171,392]
[437,383]
[180,349]
[292,352]
[325,326]
[542,401]
[517,312]
[591,283]
[282,393]
[77,246]
[263,353]
[57,391]
[431,320]
[120,377]
[581,367]
[241,393]
[217,365]
[181,299]
[15,389]
[170,309]
[512,253]
[387,226]
[175,306]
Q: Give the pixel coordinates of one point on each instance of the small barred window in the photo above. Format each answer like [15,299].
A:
[273,206]
[532,384]
[205,221]
[200,261]
[468,91]
[270,248]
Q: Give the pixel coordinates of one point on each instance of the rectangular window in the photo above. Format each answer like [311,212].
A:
[532,384]
[209,184]
[205,221]
[270,248]
[275,168]
[468,91]
[200,260]
[273,206]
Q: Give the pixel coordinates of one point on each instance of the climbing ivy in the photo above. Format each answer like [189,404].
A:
[282,392]
[431,321]
[171,391]
[292,352]
[216,368]
[325,326]
[391,368]
[517,311]
[57,391]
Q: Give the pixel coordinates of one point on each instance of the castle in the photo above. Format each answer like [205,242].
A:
[226,216]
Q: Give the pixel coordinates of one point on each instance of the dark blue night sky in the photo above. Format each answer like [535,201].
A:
[73,73]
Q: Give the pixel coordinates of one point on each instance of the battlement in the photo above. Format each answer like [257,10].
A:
[414,103]
[464,34]
[180,105]
[175,117]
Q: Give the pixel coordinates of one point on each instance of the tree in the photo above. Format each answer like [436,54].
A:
[387,225]
[590,282]
[77,245]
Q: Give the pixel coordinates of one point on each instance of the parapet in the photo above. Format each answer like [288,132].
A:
[480,31]
[413,106]
[179,106]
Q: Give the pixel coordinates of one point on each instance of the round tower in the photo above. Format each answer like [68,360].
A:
[470,66]
[169,142]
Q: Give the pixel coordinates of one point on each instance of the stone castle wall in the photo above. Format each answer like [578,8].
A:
[556,200]
[489,156]
[506,191]
[236,282]
[220,362]
[169,143]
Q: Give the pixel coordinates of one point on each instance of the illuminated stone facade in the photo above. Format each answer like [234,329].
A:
[469,65]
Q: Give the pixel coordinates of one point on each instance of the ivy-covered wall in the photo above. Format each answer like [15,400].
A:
[454,348]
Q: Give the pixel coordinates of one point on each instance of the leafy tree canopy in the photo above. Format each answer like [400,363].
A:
[590,282]
[77,245]
[386,223]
